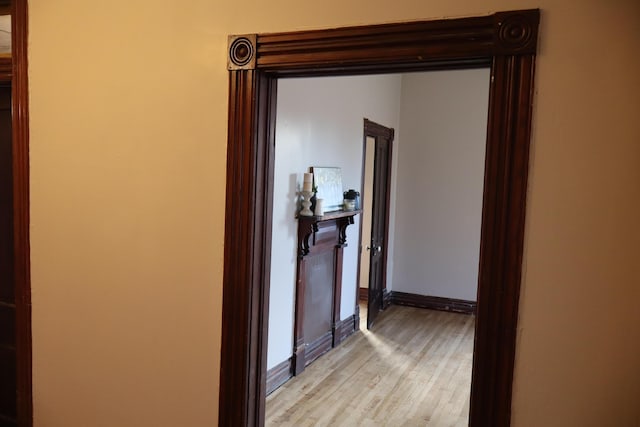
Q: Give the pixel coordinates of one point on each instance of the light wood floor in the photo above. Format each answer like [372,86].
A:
[412,369]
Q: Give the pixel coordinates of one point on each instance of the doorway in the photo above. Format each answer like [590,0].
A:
[376,196]
[319,123]
[506,42]
[437,196]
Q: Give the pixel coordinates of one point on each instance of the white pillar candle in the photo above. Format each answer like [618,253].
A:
[307,183]
[319,208]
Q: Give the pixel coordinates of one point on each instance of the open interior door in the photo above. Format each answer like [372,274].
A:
[377,248]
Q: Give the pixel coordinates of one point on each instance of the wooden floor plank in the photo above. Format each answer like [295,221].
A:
[413,369]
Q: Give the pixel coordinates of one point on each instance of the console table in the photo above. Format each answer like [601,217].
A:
[321,241]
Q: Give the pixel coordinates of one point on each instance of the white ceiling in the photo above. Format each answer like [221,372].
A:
[5,34]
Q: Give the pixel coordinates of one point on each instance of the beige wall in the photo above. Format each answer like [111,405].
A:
[128,131]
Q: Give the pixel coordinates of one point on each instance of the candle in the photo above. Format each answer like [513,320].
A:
[306,184]
[319,208]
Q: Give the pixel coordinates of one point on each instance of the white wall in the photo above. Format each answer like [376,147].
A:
[439,183]
[319,123]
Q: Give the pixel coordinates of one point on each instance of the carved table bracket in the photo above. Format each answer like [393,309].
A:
[308,225]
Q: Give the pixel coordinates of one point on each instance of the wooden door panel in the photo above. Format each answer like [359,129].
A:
[379,221]
[318,304]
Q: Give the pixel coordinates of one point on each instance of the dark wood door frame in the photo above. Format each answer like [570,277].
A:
[505,41]
[375,130]
[15,71]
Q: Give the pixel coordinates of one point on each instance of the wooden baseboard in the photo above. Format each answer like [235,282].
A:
[318,347]
[433,303]
[282,372]
[356,318]
[278,375]
[386,298]
[363,295]
[345,328]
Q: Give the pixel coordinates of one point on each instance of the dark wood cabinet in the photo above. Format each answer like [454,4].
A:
[321,241]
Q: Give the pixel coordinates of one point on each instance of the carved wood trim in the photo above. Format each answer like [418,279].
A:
[505,41]
[247,243]
[305,229]
[400,45]
[307,225]
[22,269]
[516,32]
[343,223]
[502,237]
[242,52]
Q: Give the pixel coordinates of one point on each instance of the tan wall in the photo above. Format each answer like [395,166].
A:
[128,131]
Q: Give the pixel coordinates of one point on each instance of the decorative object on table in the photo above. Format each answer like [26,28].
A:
[354,196]
[313,198]
[319,210]
[305,195]
[306,203]
[307,183]
[329,183]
